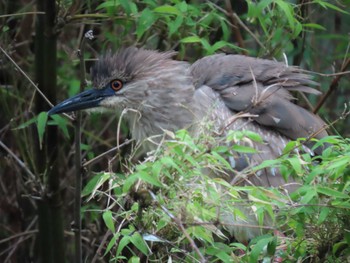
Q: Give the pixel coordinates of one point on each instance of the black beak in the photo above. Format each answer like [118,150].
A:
[85,100]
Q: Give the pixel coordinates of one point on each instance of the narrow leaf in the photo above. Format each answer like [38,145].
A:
[144,176]
[191,39]
[41,125]
[331,192]
[167,9]
[109,221]
[27,123]
[243,149]
[123,242]
[138,241]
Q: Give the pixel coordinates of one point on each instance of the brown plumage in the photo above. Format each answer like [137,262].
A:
[158,93]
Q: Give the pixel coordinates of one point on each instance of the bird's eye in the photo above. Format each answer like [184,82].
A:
[116,84]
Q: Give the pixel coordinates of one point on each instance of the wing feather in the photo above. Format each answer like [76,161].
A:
[261,87]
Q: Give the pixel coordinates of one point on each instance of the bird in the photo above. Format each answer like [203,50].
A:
[157,93]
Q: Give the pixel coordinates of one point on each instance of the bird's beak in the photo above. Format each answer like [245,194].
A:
[85,100]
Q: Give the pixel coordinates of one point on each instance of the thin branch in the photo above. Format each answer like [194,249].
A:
[333,86]
[234,26]
[22,14]
[78,164]
[100,247]
[22,236]
[31,82]
[180,225]
[29,232]
[26,76]
[93,160]
[240,22]
[19,162]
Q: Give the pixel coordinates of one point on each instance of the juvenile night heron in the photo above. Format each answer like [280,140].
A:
[159,93]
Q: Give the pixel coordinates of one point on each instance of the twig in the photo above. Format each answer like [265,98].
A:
[102,243]
[180,225]
[19,162]
[29,232]
[235,27]
[22,14]
[240,22]
[26,76]
[31,82]
[22,236]
[78,164]
[231,224]
[333,86]
[93,160]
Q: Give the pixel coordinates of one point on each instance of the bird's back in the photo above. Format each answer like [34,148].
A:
[259,88]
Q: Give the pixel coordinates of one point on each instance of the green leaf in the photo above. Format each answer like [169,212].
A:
[347,236]
[191,39]
[126,4]
[220,149]
[225,29]
[183,7]
[62,124]
[96,182]
[167,9]
[41,125]
[169,162]
[138,241]
[243,149]
[267,164]
[339,162]
[331,192]
[123,242]
[338,246]
[27,123]
[206,45]
[310,194]
[291,146]
[341,204]
[108,4]
[73,89]
[253,136]
[218,45]
[129,182]
[109,221]
[111,243]
[271,247]
[134,259]
[144,176]
[175,25]
[259,248]
[221,160]
[145,21]
[288,11]
[331,6]
[296,164]
[314,26]
[297,29]
[323,215]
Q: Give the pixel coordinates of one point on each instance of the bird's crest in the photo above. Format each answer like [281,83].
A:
[128,63]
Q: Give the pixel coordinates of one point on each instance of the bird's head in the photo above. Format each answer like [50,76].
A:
[137,79]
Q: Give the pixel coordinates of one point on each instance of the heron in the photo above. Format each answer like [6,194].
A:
[157,93]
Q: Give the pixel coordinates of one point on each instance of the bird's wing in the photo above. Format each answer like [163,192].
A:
[260,87]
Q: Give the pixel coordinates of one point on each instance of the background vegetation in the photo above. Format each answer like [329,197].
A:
[39,43]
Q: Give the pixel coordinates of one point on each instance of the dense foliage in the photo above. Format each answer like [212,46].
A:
[163,207]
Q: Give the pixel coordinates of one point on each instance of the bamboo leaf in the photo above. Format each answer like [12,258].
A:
[331,192]
[41,125]
[109,221]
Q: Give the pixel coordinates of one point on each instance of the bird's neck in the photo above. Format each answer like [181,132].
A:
[149,127]
[167,108]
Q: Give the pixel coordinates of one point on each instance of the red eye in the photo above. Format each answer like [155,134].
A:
[116,84]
